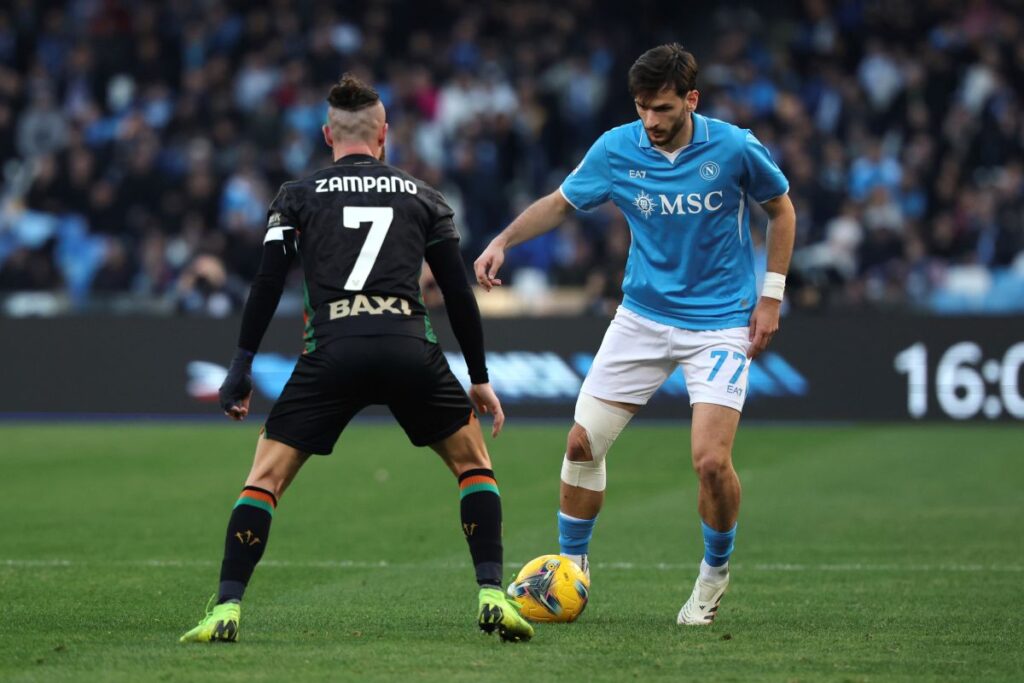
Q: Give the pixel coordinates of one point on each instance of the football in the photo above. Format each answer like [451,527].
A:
[551,588]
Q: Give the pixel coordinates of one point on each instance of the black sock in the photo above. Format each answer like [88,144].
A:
[246,540]
[481,523]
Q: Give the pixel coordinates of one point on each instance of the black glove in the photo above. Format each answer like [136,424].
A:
[238,384]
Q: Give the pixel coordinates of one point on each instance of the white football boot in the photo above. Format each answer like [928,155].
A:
[702,607]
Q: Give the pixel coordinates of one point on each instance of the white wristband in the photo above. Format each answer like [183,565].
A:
[774,285]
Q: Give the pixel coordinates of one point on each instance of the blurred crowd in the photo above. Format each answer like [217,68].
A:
[142,141]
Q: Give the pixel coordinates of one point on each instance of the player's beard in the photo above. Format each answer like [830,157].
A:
[672,132]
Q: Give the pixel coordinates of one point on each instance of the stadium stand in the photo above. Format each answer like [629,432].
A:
[142,141]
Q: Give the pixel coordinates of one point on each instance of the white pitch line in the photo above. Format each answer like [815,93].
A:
[854,567]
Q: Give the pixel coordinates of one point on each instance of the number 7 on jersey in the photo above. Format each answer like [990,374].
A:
[379,218]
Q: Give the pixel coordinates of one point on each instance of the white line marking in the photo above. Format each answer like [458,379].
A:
[853,567]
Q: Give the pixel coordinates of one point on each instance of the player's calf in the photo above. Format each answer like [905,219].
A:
[466,456]
[245,541]
[480,510]
[714,430]
[584,475]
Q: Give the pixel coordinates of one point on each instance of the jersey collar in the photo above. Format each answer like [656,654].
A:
[350,159]
[700,132]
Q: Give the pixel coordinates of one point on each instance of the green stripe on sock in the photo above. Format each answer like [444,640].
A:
[477,488]
[262,505]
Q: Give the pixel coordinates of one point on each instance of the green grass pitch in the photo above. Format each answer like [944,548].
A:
[866,553]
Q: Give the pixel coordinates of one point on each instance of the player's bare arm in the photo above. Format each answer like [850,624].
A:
[543,215]
[764,321]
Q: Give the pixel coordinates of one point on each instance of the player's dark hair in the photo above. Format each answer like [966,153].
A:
[351,94]
[665,66]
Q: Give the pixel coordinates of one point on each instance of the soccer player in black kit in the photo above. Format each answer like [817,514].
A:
[362,229]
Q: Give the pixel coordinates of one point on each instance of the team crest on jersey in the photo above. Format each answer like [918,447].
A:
[275,220]
[708,170]
[645,203]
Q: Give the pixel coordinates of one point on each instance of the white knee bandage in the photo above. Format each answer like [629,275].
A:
[603,424]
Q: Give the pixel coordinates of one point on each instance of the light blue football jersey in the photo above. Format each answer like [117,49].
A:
[691,261]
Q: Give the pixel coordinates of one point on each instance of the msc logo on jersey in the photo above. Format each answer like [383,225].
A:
[708,170]
[680,204]
[694,202]
[644,203]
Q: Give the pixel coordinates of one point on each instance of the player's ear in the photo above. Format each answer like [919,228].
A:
[383,134]
[328,138]
[692,98]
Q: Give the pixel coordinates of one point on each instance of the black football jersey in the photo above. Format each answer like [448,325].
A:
[361,228]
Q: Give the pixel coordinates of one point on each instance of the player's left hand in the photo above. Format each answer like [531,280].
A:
[764,323]
[486,402]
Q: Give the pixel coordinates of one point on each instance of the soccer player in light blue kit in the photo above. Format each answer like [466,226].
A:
[684,183]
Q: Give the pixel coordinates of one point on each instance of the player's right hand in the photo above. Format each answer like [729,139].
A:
[486,267]
[236,391]
[485,401]
[239,409]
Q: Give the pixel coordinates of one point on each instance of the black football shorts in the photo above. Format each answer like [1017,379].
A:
[335,381]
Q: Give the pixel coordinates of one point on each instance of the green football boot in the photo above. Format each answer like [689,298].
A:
[498,612]
[220,625]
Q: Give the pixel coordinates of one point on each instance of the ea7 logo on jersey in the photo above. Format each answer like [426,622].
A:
[361,304]
[635,173]
[694,202]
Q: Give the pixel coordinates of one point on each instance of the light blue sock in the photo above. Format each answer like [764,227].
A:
[718,545]
[574,534]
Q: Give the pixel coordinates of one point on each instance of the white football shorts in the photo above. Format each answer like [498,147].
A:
[637,355]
